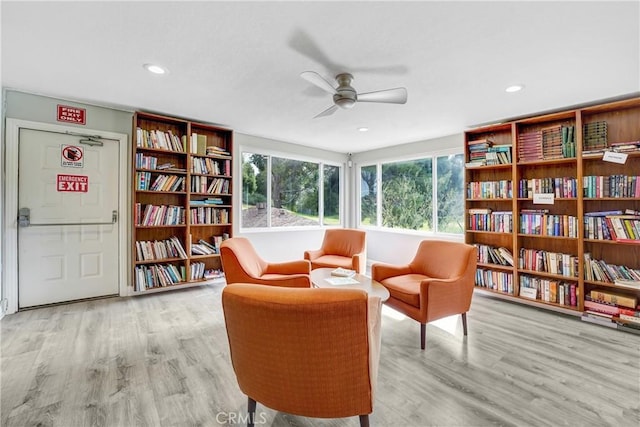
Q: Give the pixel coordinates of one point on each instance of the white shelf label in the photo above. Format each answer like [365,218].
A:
[528,293]
[613,157]
[543,198]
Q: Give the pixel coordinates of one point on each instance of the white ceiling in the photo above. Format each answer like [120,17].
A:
[238,63]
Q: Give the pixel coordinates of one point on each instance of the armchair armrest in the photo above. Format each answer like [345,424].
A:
[380,271]
[313,254]
[358,262]
[302,266]
[445,297]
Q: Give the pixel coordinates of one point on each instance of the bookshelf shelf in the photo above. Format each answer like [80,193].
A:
[496,266]
[189,160]
[576,193]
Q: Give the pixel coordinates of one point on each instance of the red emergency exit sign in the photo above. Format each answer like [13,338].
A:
[72,114]
[73,183]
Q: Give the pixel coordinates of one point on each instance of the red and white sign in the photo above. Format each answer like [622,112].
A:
[73,183]
[72,114]
[72,156]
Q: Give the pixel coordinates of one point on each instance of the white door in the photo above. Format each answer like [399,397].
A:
[63,181]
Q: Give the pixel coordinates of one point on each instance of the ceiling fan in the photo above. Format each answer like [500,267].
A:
[345,96]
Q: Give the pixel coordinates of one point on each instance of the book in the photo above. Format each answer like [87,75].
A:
[614,298]
[634,284]
[342,281]
[343,272]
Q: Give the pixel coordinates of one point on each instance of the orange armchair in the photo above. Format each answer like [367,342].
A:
[242,264]
[341,247]
[291,351]
[437,283]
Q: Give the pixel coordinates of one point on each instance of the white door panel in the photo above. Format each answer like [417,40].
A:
[66,262]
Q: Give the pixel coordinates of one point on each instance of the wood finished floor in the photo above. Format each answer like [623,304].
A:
[162,360]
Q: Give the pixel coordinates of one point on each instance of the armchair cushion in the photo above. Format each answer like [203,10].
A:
[405,288]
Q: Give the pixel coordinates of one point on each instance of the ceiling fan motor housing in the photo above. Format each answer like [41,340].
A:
[345,96]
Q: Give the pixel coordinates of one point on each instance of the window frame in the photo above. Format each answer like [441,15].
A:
[289,156]
[434,182]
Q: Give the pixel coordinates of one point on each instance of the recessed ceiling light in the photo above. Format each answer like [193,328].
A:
[155,69]
[514,88]
[363,129]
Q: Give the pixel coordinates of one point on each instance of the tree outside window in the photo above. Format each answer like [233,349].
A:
[368,195]
[409,200]
[294,190]
[407,193]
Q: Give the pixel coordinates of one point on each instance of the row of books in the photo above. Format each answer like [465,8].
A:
[498,221]
[611,308]
[490,189]
[204,248]
[170,183]
[150,162]
[199,271]
[596,186]
[595,269]
[215,200]
[147,250]
[159,215]
[560,187]
[609,314]
[495,280]
[625,147]
[594,135]
[160,140]
[558,142]
[498,155]
[207,215]
[199,145]
[494,255]
[544,224]
[553,142]
[548,262]
[613,225]
[203,184]
[157,275]
[549,290]
[207,166]
[484,152]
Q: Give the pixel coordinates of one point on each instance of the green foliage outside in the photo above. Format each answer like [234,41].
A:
[407,195]
[294,186]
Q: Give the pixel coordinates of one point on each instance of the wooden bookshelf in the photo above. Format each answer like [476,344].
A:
[567,166]
[183,169]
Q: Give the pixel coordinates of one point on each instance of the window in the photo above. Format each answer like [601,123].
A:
[407,191]
[424,194]
[284,192]
[368,195]
[450,198]
[331,195]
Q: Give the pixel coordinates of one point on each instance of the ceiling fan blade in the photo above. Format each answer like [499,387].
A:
[329,111]
[316,79]
[392,96]
[302,43]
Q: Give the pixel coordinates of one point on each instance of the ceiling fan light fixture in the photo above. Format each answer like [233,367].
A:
[363,129]
[343,102]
